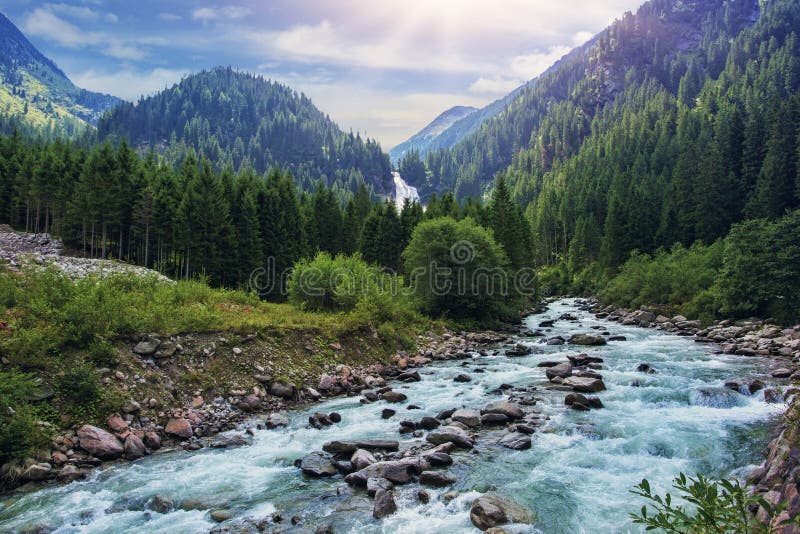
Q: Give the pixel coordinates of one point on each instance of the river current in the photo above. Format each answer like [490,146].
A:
[576,477]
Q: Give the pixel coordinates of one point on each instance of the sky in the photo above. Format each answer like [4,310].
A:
[382,68]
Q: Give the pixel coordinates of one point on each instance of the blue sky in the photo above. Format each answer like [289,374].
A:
[384,68]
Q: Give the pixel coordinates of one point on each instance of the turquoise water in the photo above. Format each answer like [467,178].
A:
[576,477]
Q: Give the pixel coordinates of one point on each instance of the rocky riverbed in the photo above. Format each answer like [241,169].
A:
[535,432]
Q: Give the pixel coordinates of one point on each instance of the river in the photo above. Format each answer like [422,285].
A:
[576,477]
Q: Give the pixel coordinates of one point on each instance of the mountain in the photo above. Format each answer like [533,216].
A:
[657,44]
[423,139]
[240,120]
[35,91]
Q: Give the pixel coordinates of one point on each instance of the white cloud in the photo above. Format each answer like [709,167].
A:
[43,23]
[128,84]
[207,14]
[494,86]
[125,51]
[169,17]
[81,12]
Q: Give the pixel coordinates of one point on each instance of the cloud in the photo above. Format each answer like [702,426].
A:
[494,86]
[125,51]
[207,14]
[169,17]
[43,23]
[80,12]
[128,84]
[523,68]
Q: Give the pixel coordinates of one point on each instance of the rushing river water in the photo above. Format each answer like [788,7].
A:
[576,477]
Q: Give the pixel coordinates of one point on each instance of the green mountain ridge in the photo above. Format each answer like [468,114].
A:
[239,120]
[34,91]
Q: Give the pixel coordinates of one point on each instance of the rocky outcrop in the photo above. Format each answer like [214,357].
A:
[492,510]
[99,443]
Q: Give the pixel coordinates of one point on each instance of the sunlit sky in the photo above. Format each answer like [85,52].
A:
[384,68]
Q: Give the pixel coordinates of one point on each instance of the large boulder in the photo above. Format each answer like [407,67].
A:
[562,370]
[318,464]
[349,447]
[134,447]
[178,427]
[450,434]
[516,441]
[384,504]
[362,458]
[492,510]
[584,384]
[437,479]
[100,443]
[586,339]
[276,420]
[509,409]
[282,390]
[394,397]
[467,417]
[396,471]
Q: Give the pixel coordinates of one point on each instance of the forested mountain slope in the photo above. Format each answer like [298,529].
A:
[665,42]
[239,120]
[422,140]
[34,91]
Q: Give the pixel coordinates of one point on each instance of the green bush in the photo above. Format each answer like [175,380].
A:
[20,435]
[714,507]
[680,280]
[457,269]
[339,283]
[79,385]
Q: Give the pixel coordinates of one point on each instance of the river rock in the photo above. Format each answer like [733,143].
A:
[375,484]
[585,384]
[519,349]
[152,440]
[450,434]
[439,459]
[160,504]
[117,423]
[562,370]
[516,441]
[509,409]
[586,339]
[782,373]
[393,397]
[70,473]
[179,428]
[462,378]
[221,515]
[557,340]
[387,413]
[233,440]
[445,414]
[134,447]
[493,419]
[436,479]
[37,472]
[396,471]
[467,417]
[384,504]
[409,376]
[131,406]
[362,458]
[645,368]
[492,510]
[282,390]
[349,447]
[325,383]
[276,420]
[318,464]
[100,443]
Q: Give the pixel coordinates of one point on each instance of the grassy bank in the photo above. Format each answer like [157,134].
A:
[66,346]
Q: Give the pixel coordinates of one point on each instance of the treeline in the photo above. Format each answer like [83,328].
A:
[675,44]
[242,121]
[108,202]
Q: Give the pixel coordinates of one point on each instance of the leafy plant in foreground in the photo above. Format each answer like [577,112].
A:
[714,507]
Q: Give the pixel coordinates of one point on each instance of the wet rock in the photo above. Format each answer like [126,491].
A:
[509,409]
[445,414]
[384,504]
[396,471]
[439,459]
[645,368]
[436,479]
[99,443]
[318,464]
[467,417]
[755,385]
[516,441]
[548,323]
[409,376]
[70,473]
[37,472]
[618,338]
[276,420]
[523,428]
[221,515]
[282,390]
[319,420]
[562,370]
[134,447]
[179,428]
[519,349]
[362,458]
[152,440]
[429,423]
[423,496]
[557,340]
[586,339]
[492,510]
[450,434]
[233,440]
[375,484]
[393,397]
[349,447]
[782,373]
[493,419]
[462,378]
[387,413]
[161,505]
[585,384]
[773,396]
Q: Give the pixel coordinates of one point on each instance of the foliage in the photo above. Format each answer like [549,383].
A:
[79,384]
[714,507]
[455,268]
[20,434]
